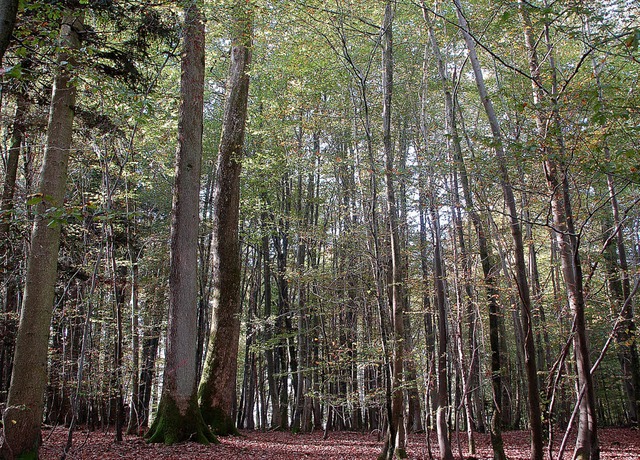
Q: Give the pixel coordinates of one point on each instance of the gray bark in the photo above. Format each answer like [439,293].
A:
[23,415]
[178,417]
[567,239]
[535,415]
[396,424]
[216,393]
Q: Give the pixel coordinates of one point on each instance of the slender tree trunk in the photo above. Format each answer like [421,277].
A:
[443,392]
[179,418]
[8,260]
[249,384]
[150,343]
[620,286]
[487,261]
[396,424]
[134,416]
[216,393]
[567,239]
[23,415]
[533,394]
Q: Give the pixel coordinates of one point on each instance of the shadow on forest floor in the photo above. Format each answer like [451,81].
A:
[616,444]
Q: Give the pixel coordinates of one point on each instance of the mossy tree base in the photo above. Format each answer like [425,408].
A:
[170,426]
[220,423]
[397,453]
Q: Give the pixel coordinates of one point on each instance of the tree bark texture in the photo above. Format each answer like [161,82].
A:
[567,239]
[397,446]
[178,418]
[441,303]
[216,393]
[23,415]
[8,12]
[528,346]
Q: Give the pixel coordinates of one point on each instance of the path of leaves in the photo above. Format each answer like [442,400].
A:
[616,444]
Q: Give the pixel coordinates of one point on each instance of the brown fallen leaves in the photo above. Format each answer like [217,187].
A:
[616,444]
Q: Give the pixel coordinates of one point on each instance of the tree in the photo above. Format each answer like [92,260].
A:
[23,416]
[554,155]
[533,395]
[396,437]
[179,418]
[8,13]
[443,336]
[216,393]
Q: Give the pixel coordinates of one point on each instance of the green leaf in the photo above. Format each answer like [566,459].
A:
[632,41]
[35,199]
[14,72]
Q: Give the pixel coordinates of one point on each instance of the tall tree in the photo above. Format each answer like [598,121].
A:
[216,393]
[443,336]
[554,156]
[618,277]
[179,418]
[533,395]
[396,438]
[487,259]
[23,416]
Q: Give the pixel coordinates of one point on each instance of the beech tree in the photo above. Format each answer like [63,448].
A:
[334,306]
[179,418]
[23,417]
[395,444]
[533,395]
[217,390]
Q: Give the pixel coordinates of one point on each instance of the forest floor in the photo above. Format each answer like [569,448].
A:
[616,444]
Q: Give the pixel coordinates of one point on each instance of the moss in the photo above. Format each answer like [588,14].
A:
[219,421]
[29,455]
[580,454]
[401,453]
[170,426]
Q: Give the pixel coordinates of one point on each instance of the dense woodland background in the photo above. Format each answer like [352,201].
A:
[439,218]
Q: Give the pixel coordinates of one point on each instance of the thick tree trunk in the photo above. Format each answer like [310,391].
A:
[179,418]
[216,393]
[23,415]
[8,13]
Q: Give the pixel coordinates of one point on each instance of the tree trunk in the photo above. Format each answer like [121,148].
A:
[134,416]
[620,287]
[487,260]
[535,415]
[216,393]
[179,418]
[443,392]
[396,438]
[8,259]
[567,239]
[23,415]
[8,13]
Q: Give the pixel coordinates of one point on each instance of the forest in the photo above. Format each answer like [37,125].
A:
[366,223]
